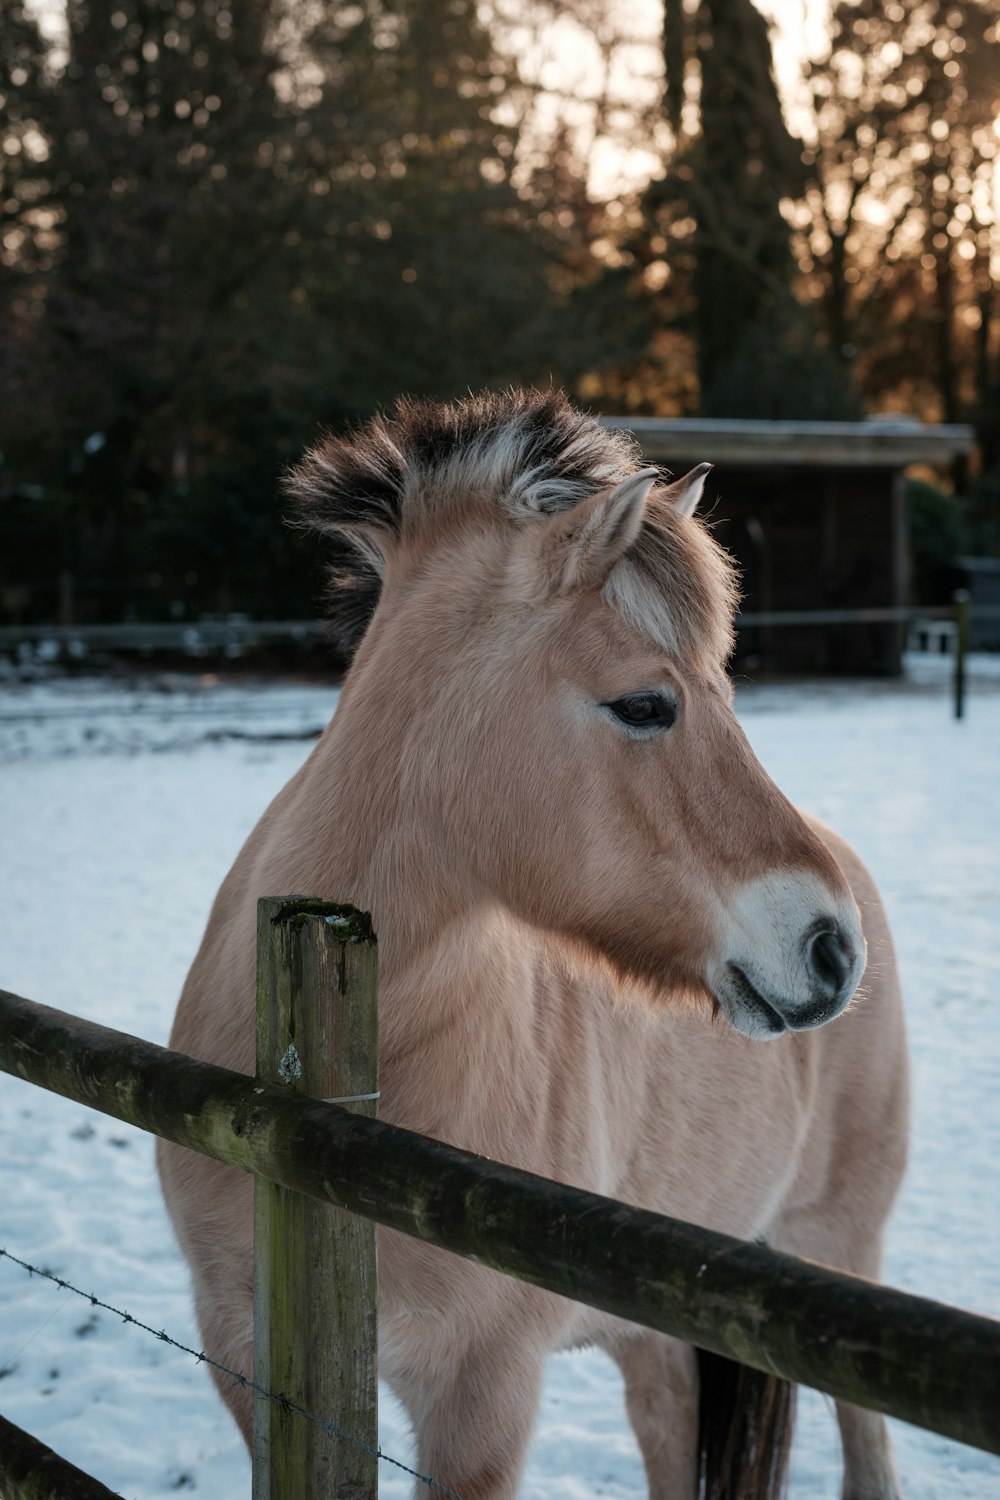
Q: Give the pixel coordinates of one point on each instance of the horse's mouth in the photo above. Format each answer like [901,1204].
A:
[759,1018]
[747,1009]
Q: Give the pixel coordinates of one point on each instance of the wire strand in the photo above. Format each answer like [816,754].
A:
[8,1363]
[241,1379]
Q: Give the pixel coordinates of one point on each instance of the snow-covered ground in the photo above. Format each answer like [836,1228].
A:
[122,806]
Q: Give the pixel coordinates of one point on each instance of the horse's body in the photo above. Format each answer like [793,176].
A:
[535,784]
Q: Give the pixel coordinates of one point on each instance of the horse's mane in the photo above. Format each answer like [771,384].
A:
[529,452]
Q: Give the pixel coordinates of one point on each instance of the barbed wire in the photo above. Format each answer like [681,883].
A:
[244,1380]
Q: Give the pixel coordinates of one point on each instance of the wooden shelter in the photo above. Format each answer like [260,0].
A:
[815,514]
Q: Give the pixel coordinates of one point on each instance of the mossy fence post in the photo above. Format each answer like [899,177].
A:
[315,1328]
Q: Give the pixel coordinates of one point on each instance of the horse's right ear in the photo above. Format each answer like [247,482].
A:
[685,493]
[579,547]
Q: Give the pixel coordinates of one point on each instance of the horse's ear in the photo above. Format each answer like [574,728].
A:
[580,546]
[685,493]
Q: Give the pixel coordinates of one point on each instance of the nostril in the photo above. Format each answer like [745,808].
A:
[831,960]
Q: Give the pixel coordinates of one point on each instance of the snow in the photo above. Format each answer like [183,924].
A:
[122,805]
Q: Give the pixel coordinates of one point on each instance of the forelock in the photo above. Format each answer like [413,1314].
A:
[524,452]
[528,454]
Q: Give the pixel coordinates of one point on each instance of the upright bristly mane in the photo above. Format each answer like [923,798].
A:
[530,453]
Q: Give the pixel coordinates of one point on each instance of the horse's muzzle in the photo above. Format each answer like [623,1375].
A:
[756,1015]
[783,968]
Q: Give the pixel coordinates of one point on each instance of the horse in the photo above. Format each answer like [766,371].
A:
[611,951]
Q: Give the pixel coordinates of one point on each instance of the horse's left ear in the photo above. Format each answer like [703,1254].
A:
[579,547]
[685,493]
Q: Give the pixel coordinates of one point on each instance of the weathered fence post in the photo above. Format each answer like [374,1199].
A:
[962,601]
[315,1331]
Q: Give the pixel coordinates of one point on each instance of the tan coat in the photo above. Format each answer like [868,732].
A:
[591,903]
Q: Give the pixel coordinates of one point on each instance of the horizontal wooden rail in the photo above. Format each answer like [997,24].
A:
[30,1471]
[875,615]
[176,635]
[168,635]
[925,1362]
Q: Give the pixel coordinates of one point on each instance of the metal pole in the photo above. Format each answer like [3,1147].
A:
[962,601]
[315,1326]
[67,610]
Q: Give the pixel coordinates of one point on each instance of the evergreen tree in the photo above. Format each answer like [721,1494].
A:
[718,213]
[745,163]
[437,282]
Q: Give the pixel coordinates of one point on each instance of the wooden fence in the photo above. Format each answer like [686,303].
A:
[234,636]
[189,637]
[325,1171]
[957,615]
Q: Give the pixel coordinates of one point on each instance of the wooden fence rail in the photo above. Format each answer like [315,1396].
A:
[192,636]
[925,1362]
[31,1471]
[174,635]
[236,635]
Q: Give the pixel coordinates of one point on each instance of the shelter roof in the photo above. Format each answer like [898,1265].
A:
[879,442]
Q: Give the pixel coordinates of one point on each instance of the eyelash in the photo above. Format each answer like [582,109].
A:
[630,710]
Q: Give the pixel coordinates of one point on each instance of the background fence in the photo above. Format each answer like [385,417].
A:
[234,636]
[320,1163]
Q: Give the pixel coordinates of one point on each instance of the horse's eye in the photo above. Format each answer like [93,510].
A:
[644,710]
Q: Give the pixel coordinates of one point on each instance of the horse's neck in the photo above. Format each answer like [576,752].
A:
[477,972]
[483,1024]
[438,948]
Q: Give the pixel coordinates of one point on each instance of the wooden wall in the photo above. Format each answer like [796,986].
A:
[811,538]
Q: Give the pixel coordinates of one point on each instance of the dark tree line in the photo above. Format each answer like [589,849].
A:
[225,225]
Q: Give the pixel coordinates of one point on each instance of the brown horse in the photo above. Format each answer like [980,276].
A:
[588,896]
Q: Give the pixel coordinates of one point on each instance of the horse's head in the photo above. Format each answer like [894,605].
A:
[540,698]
